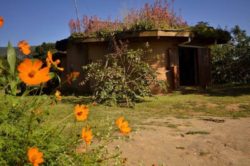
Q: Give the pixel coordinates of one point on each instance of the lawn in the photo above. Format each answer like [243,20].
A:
[233,102]
[226,101]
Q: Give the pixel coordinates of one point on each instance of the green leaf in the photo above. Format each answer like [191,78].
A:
[11,58]
[59,79]
[13,87]
[52,75]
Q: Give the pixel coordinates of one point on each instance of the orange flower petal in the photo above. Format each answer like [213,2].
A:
[87,135]
[119,121]
[37,64]
[123,125]
[44,74]
[25,65]
[1,21]
[50,61]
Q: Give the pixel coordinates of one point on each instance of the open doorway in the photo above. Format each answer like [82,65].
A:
[188,66]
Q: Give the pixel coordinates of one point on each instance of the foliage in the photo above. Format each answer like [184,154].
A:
[42,50]
[203,31]
[231,62]
[61,45]
[157,16]
[123,77]
[8,78]
[93,26]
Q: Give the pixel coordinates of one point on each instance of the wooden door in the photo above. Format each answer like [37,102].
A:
[204,66]
[172,66]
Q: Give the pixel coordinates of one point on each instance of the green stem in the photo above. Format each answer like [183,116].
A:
[29,127]
[56,126]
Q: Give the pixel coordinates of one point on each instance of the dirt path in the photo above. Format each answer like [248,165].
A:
[189,142]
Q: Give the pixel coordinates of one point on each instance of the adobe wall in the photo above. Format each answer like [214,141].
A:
[157,58]
[164,59]
[97,51]
[77,56]
[84,53]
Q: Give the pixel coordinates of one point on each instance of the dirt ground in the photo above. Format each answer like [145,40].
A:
[203,141]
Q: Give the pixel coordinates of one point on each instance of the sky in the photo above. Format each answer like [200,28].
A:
[40,21]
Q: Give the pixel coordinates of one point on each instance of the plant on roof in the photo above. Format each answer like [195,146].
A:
[158,16]
[93,27]
[203,30]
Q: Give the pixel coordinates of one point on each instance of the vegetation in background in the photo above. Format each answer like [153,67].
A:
[231,62]
[122,78]
[41,50]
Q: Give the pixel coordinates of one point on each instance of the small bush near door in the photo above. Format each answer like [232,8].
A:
[122,78]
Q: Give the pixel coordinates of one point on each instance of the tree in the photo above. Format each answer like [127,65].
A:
[231,61]
[41,51]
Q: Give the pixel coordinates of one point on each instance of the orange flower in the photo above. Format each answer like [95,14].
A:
[123,125]
[24,47]
[35,157]
[72,76]
[81,112]
[50,61]
[30,72]
[1,21]
[58,95]
[119,121]
[87,135]
[125,129]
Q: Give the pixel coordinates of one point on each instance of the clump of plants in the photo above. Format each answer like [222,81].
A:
[94,27]
[158,16]
[123,77]
[203,31]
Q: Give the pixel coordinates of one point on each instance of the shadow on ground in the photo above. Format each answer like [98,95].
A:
[218,90]
[78,100]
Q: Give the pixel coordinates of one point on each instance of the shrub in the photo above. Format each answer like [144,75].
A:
[231,61]
[122,78]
